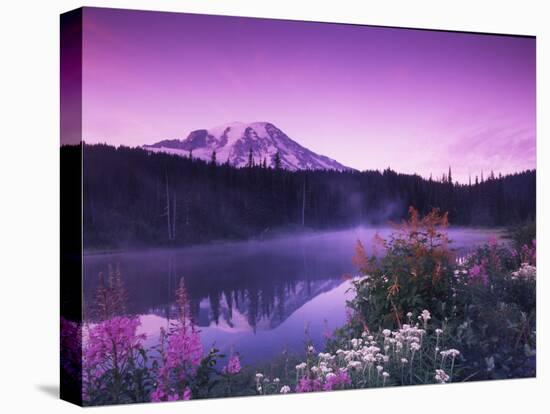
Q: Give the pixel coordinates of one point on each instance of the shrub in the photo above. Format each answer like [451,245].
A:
[413,272]
[486,301]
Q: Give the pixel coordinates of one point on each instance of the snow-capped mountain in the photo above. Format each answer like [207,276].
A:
[233,143]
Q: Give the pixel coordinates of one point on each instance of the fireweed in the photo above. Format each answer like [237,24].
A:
[181,353]
[233,365]
[115,364]
[230,370]
[113,359]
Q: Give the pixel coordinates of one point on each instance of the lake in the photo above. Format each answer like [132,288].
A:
[257,298]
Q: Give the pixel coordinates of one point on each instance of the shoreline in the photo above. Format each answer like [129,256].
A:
[503,233]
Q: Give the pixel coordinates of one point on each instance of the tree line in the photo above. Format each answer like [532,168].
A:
[135,197]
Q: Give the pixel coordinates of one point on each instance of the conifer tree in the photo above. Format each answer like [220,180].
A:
[277,161]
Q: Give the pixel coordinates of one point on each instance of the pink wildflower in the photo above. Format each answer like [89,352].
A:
[184,348]
[186,394]
[529,253]
[336,381]
[110,344]
[308,385]
[157,395]
[181,352]
[478,274]
[233,365]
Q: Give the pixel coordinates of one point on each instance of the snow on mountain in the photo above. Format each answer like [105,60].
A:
[233,142]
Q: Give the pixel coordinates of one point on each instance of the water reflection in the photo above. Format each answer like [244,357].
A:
[255,297]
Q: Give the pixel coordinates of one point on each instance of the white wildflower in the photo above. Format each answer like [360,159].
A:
[490,362]
[453,352]
[441,376]
[426,315]
[525,272]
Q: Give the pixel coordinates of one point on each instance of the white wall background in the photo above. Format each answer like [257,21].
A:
[29,193]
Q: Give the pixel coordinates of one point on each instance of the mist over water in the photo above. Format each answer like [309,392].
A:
[255,297]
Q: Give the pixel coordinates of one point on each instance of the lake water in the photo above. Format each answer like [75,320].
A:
[253,297]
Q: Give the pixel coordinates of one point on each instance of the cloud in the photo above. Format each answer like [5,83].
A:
[502,149]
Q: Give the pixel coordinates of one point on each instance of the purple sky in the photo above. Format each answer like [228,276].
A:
[416,101]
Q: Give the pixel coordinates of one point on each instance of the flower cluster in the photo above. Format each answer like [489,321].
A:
[108,345]
[441,376]
[525,272]
[266,386]
[478,274]
[528,253]
[181,353]
[233,365]
[407,355]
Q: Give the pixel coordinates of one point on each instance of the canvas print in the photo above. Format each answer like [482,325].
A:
[258,206]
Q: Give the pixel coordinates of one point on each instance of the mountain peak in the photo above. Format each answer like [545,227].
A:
[234,141]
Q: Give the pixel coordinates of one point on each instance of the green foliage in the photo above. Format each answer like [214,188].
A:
[413,272]
[524,234]
[486,302]
[207,377]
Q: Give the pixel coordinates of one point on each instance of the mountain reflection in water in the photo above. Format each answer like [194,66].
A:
[254,297]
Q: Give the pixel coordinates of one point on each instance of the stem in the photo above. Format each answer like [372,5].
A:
[452,366]
[116,388]
[411,368]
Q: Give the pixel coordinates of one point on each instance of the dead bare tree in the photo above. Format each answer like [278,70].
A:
[167,208]
[174,199]
[304,203]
